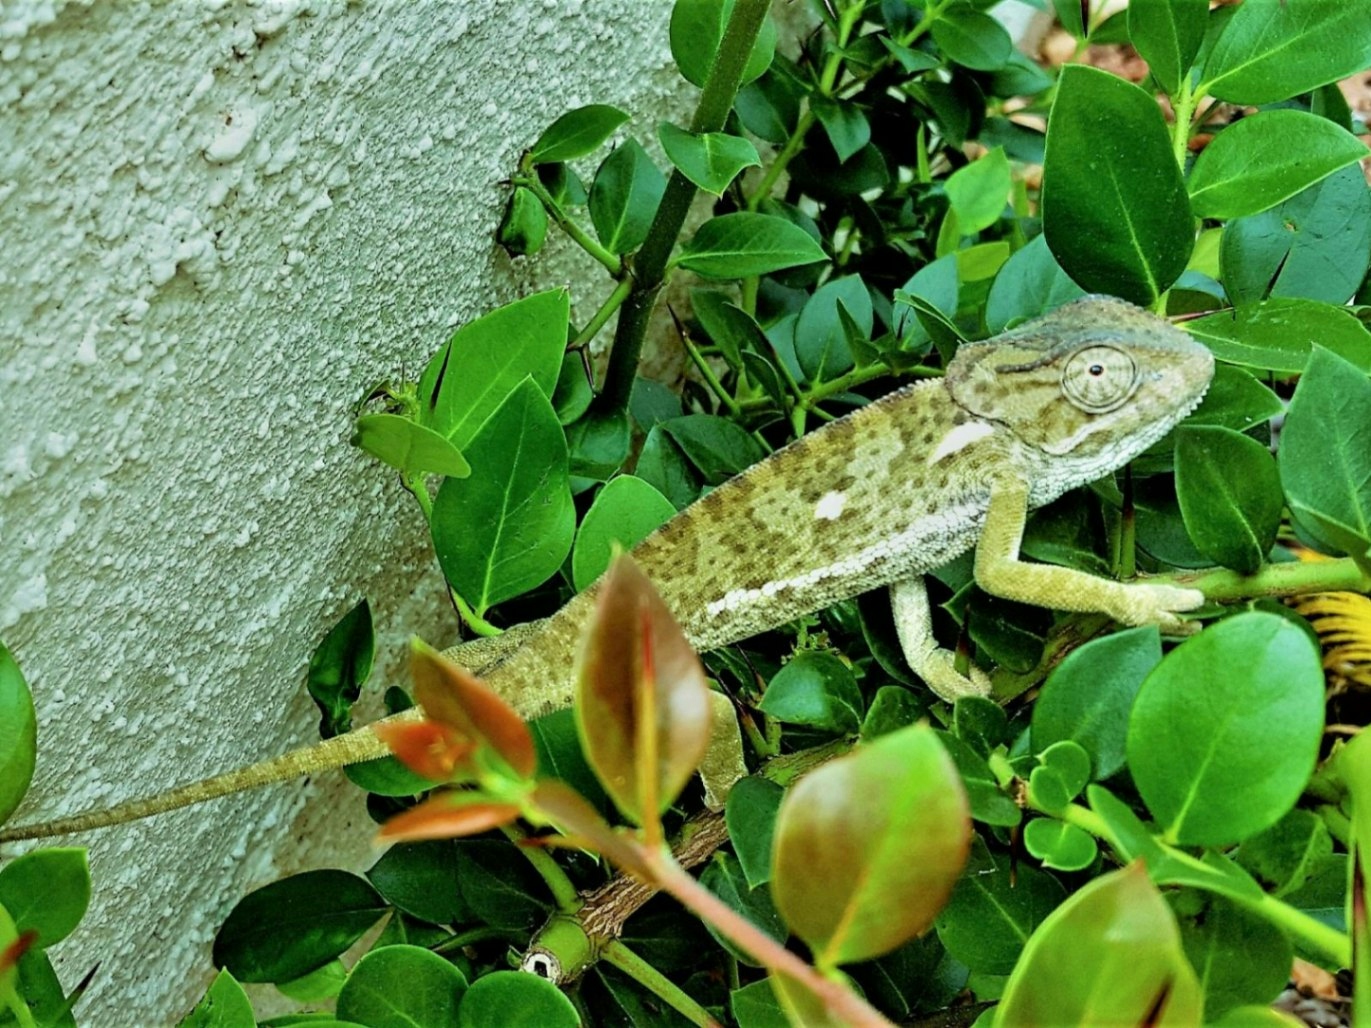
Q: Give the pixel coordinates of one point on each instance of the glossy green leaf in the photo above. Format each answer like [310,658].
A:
[339,667]
[993,911]
[769,108]
[598,443]
[1030,283]
[1277,334]
[42,991]
[663,465]
[626,511]
[697,26]
[1316,245]
[1286,856]
[1218,764]
[18,734]
[869,845]
[514,999]
[1168,34]
[972,38]
[1060,846]
[845,125]
[728,326]
[47,891]
[624,197]
[323,983]
[402,987]
[979,192]
[815,689]
[1240,957]
[225,1005]
[743,244]
[709,159]
[573,394]
[1230,495]
[486,360]
[1072,15]
[1273,52]
[821,343]
[507,528]
[892,708]
[523,229]
[408,446]
[386,776]
[724,877]
[1237,400]
[750,814]
[1115,210]
[1088,695]
[718,447]
[989,804]
[288,928]
[1111,954]
[1265,158]
[756,1006]
[560,756]
[499,886]
[420,878]
[1325,462]
[576,133]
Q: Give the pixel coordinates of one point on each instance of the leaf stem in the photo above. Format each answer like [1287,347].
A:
[616,953]
[578,235]
[564,892]
[711,380]
[415,484]
[470,618]
[1274,580]
[612,303]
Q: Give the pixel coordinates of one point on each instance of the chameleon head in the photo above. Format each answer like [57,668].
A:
[1098,380]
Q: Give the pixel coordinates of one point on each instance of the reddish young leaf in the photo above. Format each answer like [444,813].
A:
[9,956]
[451,694]
[428,748]
[642,702]
[869,846]
[446,815]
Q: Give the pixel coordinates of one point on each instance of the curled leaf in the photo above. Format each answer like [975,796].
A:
[446,815]
[430,749]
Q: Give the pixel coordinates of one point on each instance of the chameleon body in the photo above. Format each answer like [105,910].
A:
[876,498]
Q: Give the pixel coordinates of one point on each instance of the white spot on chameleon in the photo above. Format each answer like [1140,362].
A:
[830,505]
[959,439]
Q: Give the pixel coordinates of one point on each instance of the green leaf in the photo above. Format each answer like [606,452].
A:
[339,667]
[728,326]
[745,244]
[724,877]
[756,1006]
[979,192]
[47,891]
[560,756]
[697,26]
[1088,695]
[1277,334]
[1325,459]
[420,878]
[869,845]
[1230,495]
[1072,15]
[576,133]
[523,229]
[573,394]
[1265,158]
[386,776]
[821,343]
[1168,34]
[892,708]
[1235,399]
[499,886]
[624,198]
[225,1005]
[844,123]
[1110,954]
[290,927]
[815,689]
[1115,210]
[1269,53]
[769,108]
[1316,245]
[750,814]
[993,911]
[1285,856]
[972,38]
[487,359]
[718,447]
[41,991]
[626,512]
[1240,957]
[989,804]
[709,159]
[1219,764]
[408,446]
[18,734]
[323,983]
[514,999]
[507,528]
[402,987]
[663,465]
[598,443]
[1060,847]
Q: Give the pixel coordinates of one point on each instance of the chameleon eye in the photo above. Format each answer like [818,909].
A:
[1099,378]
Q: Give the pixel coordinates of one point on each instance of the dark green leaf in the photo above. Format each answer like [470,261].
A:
[972,39]
[1235,399]
[499,886]
[1072,15]
[1168,34]
[225,1005]
[728,326]
[663,465]
[1265,158]
[697,26]
[724,877]
[769,108]
[515,999]
[624,197]
[936,284]
[1115,210]
[1230,495]
[1030,283]
[821,343]
[421,879]
[576,133]
[1240,957]
[573,393]
[815,689]
[288,928]
[709,159]
[756,1006]
[339,667]
[598,443]
[18,734]
[989,804]
[1286,855]
[1219,764]
[993,911]
[560,755]
[893,707]
[625,512]
[523,229]
[751,816]
[386,776]
[402,987]
[1277,334]
[508,527]
[845,125]
[46,891]
[743,244]
[718,447]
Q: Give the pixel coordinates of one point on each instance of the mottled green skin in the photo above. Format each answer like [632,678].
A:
[888,492]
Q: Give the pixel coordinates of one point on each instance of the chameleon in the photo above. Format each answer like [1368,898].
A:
[876,498]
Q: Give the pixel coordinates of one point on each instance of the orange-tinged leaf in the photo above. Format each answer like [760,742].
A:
[428,748]
[1111,954]
[869,846]
[642,701]
[446,815]
[9,956]
[451,694]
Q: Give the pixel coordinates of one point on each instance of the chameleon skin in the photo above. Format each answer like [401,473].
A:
[893,490]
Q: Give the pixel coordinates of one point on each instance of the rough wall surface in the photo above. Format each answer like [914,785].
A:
[222,220]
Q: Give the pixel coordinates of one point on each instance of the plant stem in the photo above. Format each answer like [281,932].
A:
[649,267]
[783,158]
[415,485]
[616,953]
[612,303]
[1274,580]
[563,891]
[470,618]
[578,235]
[711,380]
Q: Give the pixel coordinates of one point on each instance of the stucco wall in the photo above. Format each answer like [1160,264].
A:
[220,222]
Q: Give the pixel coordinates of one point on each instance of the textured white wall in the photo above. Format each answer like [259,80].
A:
[220,221]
